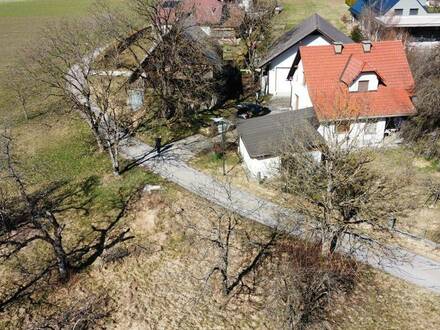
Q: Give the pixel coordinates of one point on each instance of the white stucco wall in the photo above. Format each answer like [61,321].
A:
[267,168]
[283,63]
[373,82]
[406,5]
[299,89]
[358,134]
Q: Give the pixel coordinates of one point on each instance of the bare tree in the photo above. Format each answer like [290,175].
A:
[347,201]
[255,32]
[375,30]
[119,116]
[302,285]
[433,192]
[62,66]
[423,130]
[31,220]
[238,251]
[21,87]
[179,64]
[371,28]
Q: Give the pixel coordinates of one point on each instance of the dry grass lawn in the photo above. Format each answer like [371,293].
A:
[414,174]
[422,220]
[161,284]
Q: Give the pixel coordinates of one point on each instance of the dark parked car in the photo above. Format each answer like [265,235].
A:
[251,110]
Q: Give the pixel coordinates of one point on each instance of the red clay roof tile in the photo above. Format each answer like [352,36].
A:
[327,75]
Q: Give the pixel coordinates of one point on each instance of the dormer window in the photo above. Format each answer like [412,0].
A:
[363,86]
[365,82]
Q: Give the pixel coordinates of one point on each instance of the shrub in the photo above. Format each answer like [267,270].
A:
[356,34]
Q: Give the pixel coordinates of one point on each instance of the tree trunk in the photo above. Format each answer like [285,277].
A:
[113,152]
[23,107]
[329,243]
[63,266]
[60,254]
[95,131]
[57,245]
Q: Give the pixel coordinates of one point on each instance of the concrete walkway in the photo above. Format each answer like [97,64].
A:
[171,164]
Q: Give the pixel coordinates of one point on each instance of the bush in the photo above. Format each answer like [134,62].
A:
[356,34]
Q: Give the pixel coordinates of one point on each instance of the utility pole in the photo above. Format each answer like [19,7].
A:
[223,148]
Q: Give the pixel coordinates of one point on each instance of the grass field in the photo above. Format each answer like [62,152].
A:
[54,145]
[21,21]
[46,8]
[297,10]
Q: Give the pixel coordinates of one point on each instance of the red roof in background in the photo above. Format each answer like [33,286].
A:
[328,76]
[205,11]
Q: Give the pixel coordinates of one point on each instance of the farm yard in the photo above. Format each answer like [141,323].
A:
[157,280]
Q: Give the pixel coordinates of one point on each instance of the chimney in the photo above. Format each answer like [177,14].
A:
[366,46]
[338,47]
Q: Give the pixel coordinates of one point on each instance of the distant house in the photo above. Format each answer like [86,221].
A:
[218,19]
[261,139]
[313,31]
[213,66]
[358,91]
[412,16]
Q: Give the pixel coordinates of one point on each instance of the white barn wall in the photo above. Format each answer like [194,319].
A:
[284,62]
[267,168]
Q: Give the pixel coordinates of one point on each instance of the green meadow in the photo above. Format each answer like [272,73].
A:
[53,144]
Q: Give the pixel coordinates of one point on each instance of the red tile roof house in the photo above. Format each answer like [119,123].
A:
[217,19]
[358,91]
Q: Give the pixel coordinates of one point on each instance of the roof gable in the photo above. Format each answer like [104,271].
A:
[313,24]
[355,67]
[328,74]
[205,11]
